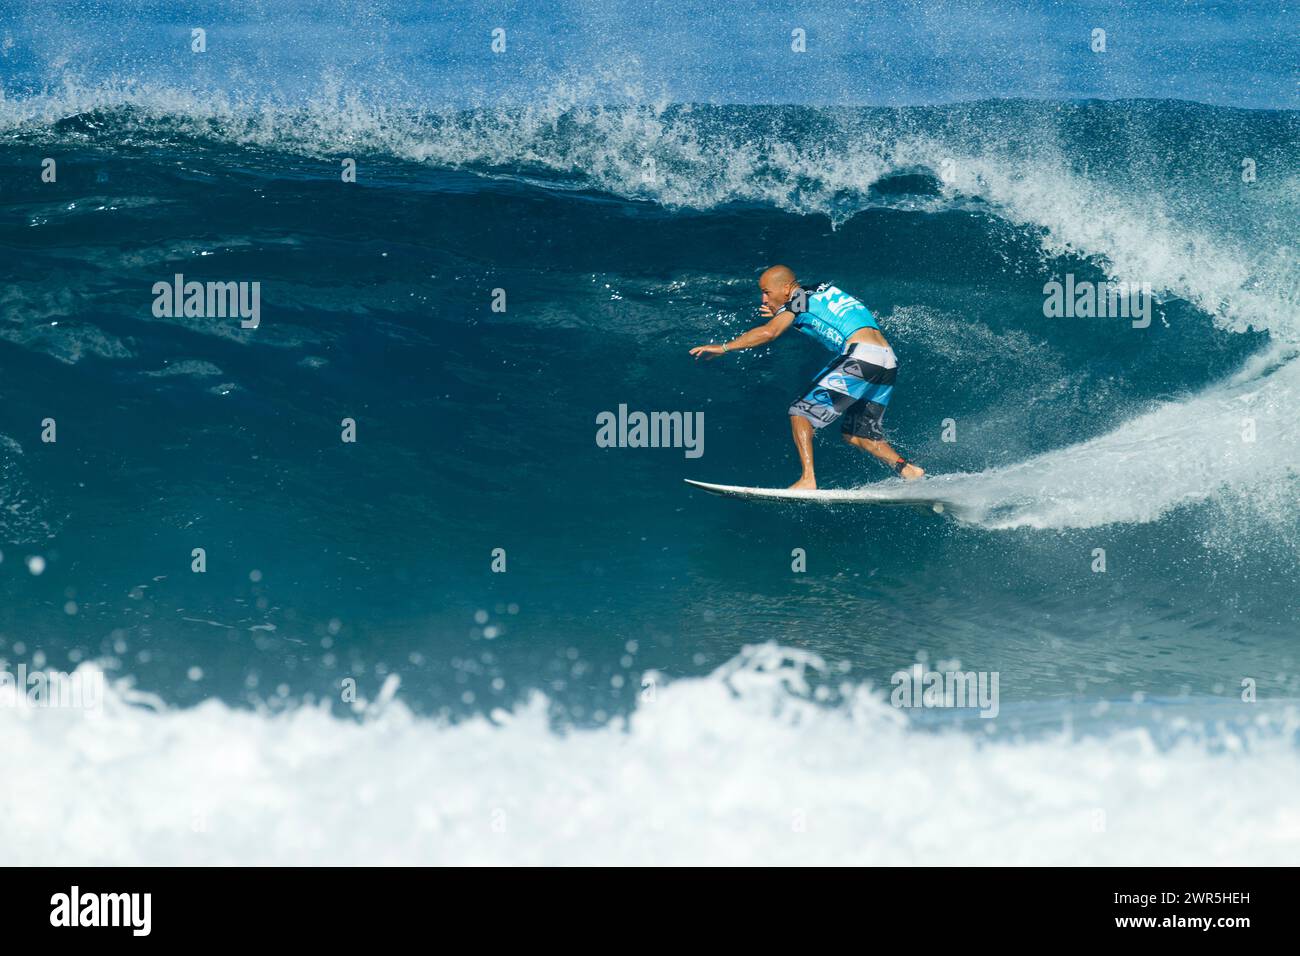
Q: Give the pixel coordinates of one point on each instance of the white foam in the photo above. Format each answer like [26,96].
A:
[1140,236]
[1131,219]
[736,768]
[1176,454]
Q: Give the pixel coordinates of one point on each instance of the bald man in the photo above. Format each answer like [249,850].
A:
[855,386]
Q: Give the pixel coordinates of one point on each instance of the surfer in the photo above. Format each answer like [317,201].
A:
[856,385]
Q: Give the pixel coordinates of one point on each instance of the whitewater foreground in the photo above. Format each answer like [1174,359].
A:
[736,768]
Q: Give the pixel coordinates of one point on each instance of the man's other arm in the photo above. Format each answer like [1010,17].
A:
[759,335]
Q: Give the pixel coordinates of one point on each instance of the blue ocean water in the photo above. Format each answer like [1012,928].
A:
[649,661]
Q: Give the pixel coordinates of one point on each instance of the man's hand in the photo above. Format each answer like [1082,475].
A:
[707,351]
[774,327]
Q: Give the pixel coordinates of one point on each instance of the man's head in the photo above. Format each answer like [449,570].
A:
[778,284]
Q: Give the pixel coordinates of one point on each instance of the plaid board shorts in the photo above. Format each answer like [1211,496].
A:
[857,386]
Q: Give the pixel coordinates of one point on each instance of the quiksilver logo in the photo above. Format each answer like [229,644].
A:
[102,909]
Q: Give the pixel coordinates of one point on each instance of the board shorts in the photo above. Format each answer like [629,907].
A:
[857,386]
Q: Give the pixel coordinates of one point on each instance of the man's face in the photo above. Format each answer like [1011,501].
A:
[775,294]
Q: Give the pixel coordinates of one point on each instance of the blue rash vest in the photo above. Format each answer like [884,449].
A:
[828,314]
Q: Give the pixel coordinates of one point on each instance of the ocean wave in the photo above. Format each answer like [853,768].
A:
[1070,171]
[741,767]
[1092,186]
[1239,439]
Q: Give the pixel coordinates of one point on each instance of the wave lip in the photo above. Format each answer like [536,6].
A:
[1107,181]
[741,767]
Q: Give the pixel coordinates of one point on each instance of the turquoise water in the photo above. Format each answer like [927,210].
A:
[625,225]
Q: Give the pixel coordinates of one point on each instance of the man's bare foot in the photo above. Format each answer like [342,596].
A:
[912,472]
[809,484]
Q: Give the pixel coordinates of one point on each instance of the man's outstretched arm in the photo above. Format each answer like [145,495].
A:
[759,335]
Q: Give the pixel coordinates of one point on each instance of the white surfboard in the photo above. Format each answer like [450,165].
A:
[886,494]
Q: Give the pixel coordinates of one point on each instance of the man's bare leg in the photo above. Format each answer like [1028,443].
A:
[885,452]
[802,429]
